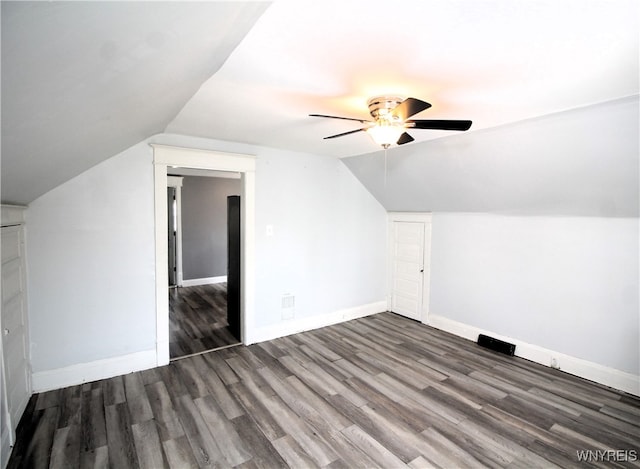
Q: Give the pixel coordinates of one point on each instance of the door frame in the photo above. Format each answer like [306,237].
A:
[12,219]
[411,217]
[165,156]
[176,182]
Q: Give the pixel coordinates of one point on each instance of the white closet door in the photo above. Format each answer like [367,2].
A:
[15,356]
[409,261]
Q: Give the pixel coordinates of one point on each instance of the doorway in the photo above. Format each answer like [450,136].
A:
[166,157]
[172,236]
[203,211]
[409,259]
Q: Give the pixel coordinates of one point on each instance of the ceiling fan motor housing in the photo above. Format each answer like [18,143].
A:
[381,106]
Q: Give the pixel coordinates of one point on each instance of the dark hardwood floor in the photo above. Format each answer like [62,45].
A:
[198,320]
[381,391]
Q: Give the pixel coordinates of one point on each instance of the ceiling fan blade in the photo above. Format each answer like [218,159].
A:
[405,138]
[440,124]
[409,107]
[337,117]
[344,133]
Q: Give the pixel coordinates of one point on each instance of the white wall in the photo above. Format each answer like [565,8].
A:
[329,237]
[91,264]
[91,252]
[567,284]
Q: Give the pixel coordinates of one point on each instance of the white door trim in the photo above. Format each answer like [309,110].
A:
[176,181]
[165,156]
[13,223]
[416,217]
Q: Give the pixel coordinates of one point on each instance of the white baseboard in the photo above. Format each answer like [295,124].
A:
[611,377]
[293,326]
[92,371]
[194,282]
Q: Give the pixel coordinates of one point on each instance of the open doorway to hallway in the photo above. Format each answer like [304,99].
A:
[203,233]
[167,157]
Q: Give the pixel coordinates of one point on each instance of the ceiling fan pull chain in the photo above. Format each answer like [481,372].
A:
[385,166]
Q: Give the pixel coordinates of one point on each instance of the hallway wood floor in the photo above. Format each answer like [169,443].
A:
[198,320]
[381,391]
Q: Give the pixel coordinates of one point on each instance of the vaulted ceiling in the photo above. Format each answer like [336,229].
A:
[82,81]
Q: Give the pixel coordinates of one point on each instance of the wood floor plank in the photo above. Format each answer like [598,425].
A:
[204,447]
[113,391]
[255,403]
[224,433]
[380,391]
[335,419]
[305,436]
[163,410]
[122,451]
[367,444]
[94,430]
[148,446]
[38,450]
[269,360]
[179,454]
[294,400]
[292,453]
[263,454]
[221,368]
[48,399]
[316,345]
[97,458]
[70,406]
[198,320]
[217,389]
[137,399]
[191,378]
[65,452]
[350,456]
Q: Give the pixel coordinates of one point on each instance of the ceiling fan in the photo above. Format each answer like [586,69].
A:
[391,120]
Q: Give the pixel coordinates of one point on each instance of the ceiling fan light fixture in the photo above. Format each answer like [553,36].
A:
[391,119]
[385,134]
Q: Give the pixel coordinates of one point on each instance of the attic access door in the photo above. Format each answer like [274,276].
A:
[410,239]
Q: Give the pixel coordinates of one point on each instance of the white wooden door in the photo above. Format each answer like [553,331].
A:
[407,268]
[15,357]
[409,261]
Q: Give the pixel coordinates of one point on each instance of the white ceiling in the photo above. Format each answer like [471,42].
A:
[82,81]
[493,62]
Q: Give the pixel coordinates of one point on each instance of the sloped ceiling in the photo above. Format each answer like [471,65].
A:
[83,80]
[582,162]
